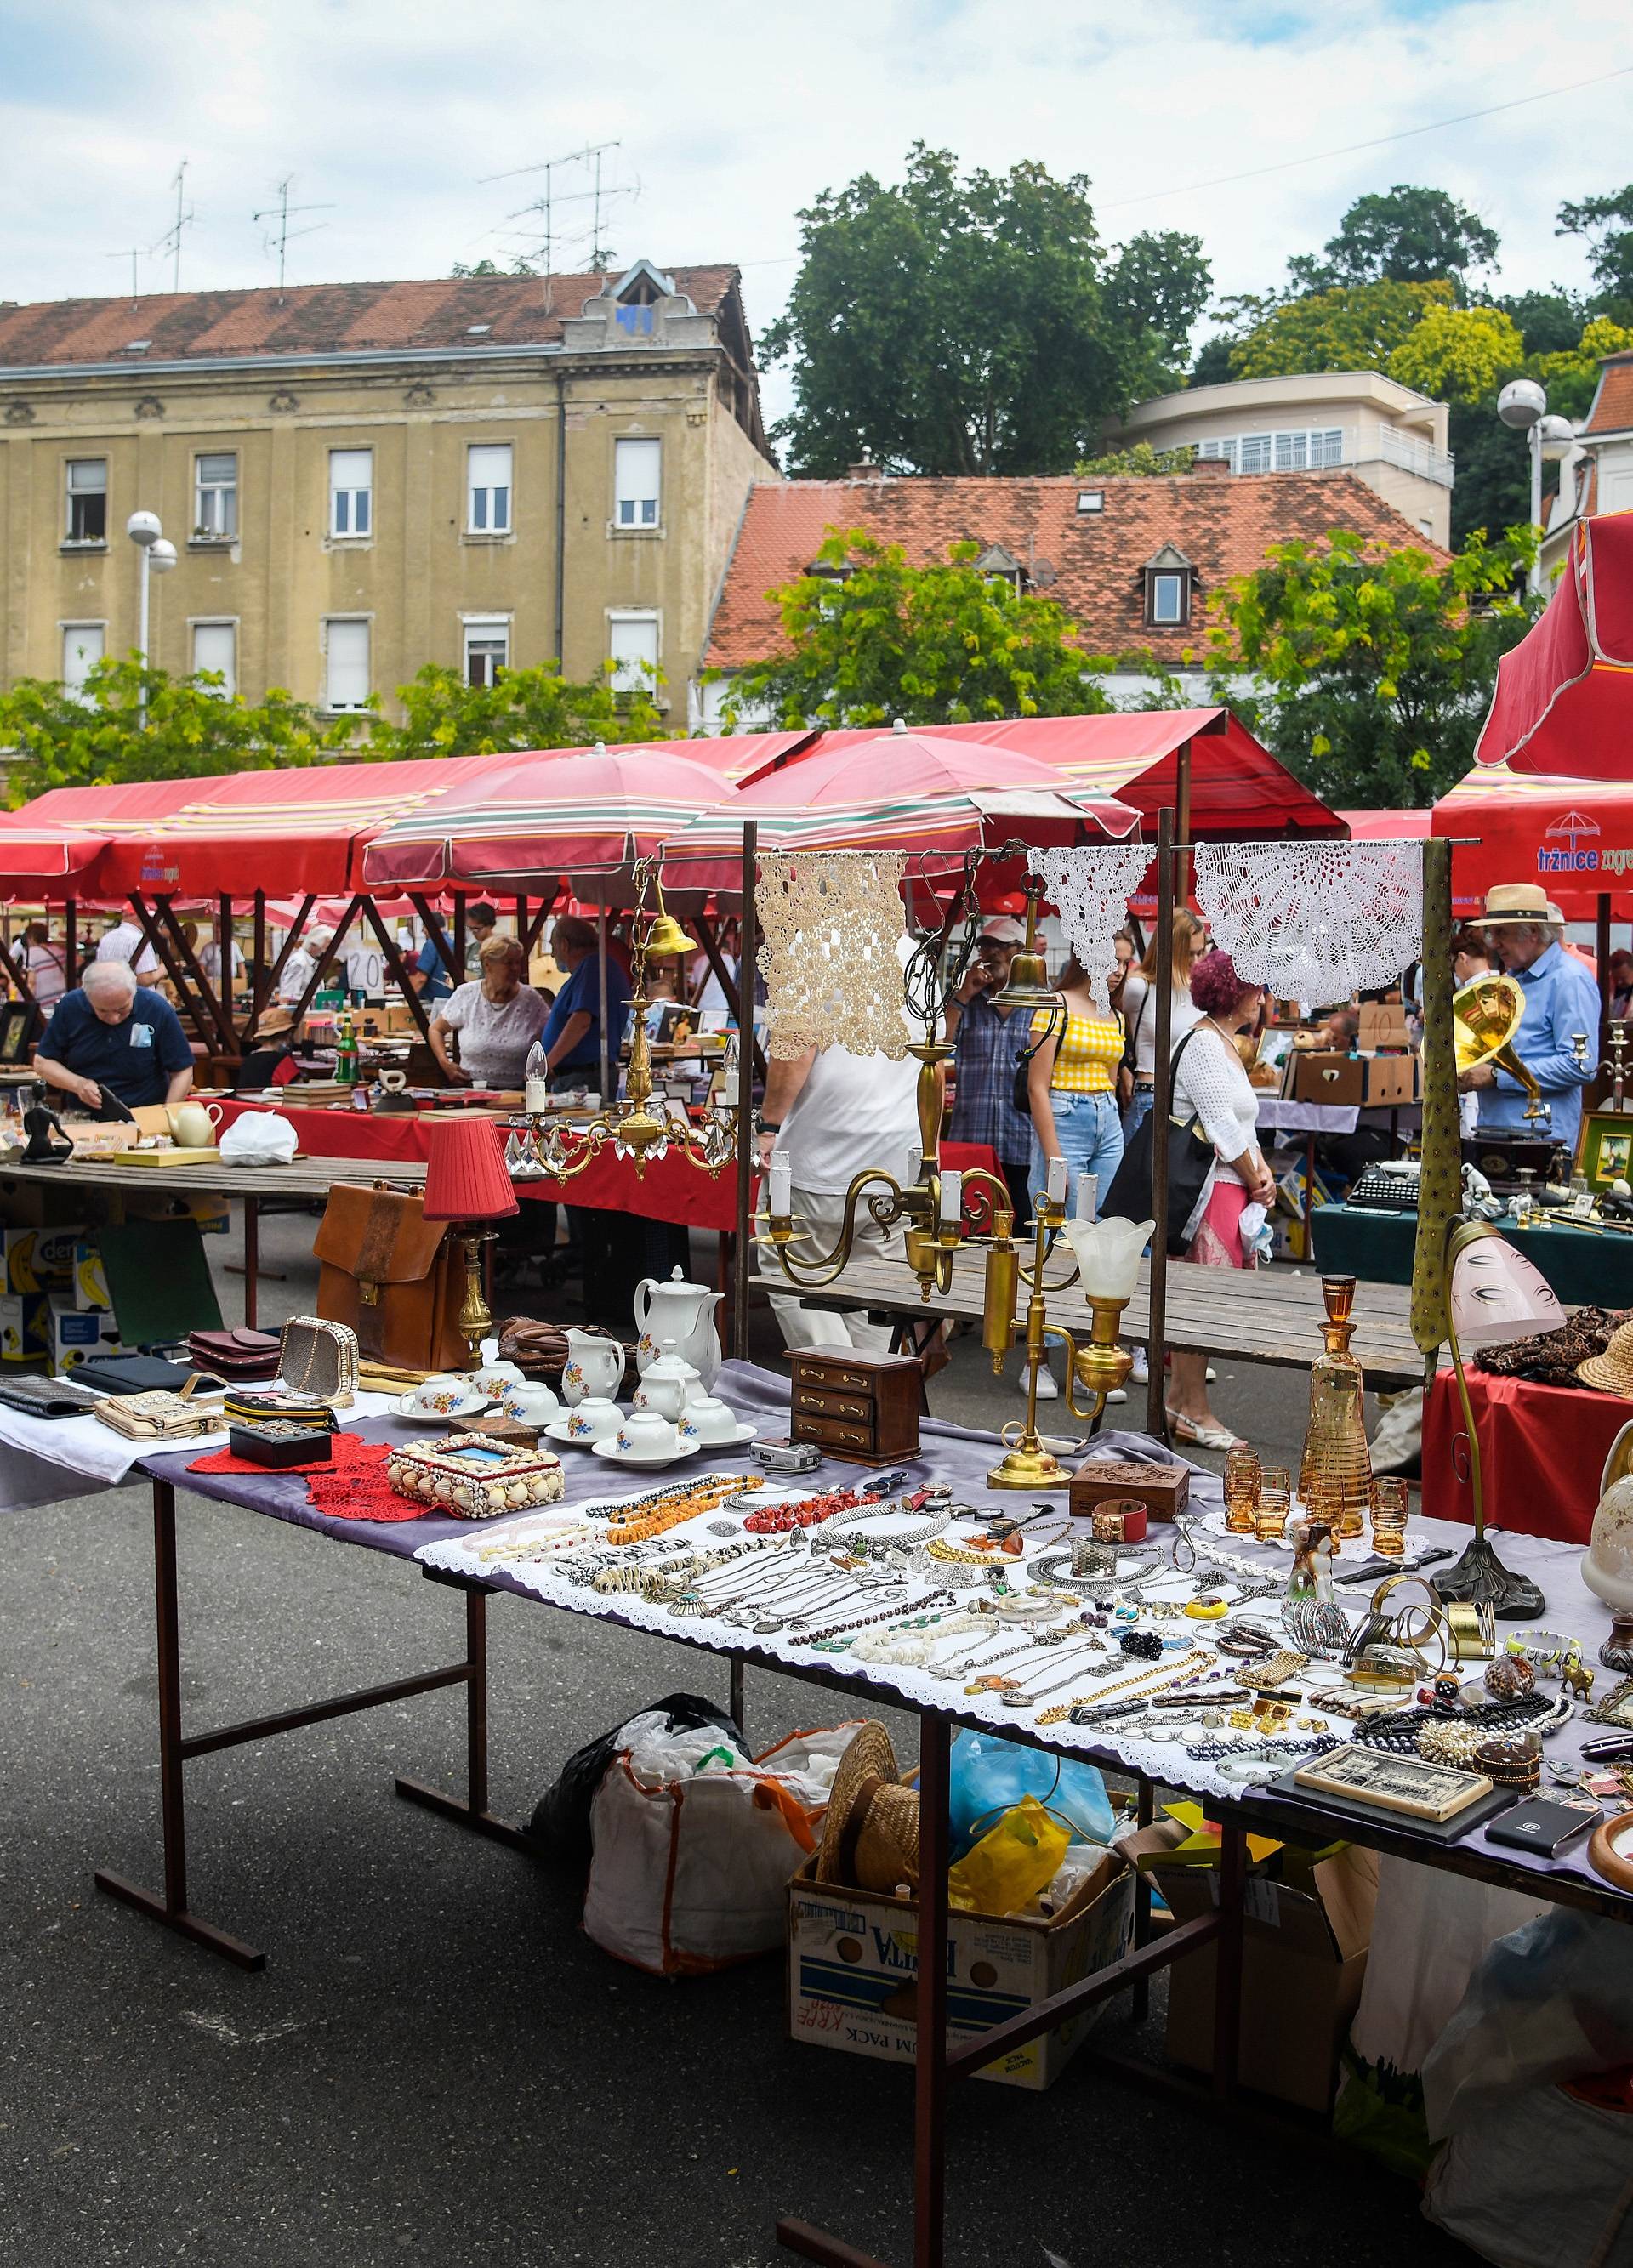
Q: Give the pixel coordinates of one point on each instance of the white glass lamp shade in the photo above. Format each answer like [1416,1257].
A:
[1497,1294]
[1107,1253]
[1607,1566]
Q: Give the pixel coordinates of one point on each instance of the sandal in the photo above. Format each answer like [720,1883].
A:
[1204,1432]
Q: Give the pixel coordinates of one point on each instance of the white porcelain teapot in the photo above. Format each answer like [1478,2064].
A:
[684,1313]
[669,1384]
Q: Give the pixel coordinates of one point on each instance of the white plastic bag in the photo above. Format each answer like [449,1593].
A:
[690,1873]
[258,1138]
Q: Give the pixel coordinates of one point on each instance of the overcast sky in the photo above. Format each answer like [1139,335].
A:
[731,116]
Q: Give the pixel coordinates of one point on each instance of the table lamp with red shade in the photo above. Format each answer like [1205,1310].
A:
[1494,1294]
[467,1183]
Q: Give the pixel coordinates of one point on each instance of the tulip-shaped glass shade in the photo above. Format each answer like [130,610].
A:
[1497,1294]
[1107,1253]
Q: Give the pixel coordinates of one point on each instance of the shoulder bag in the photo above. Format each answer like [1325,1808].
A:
[392,1277]
[1190,1161]
[1018,1094]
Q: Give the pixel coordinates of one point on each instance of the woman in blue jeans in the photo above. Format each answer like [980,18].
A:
[1071,1089]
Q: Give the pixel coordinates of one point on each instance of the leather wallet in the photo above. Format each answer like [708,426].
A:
[45,1397]
[133,1373]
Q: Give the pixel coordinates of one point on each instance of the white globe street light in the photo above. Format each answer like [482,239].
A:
[1522,406]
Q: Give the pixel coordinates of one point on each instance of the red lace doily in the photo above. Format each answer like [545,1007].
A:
[352,1485]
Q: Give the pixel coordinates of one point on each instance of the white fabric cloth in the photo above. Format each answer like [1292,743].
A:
[495,1037]
[1138,1007]
[1315,922]
[1091,887]
[1210,1084]
[823,1213]
[48,975]
[125,942]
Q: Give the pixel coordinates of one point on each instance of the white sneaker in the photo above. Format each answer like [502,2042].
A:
[1141,1373]
[1047,1390]
[1210,1375]
[1117,1394]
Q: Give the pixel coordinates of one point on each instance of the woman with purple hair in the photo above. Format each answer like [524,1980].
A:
[1211,1086]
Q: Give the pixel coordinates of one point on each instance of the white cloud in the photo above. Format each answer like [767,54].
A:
[730,117]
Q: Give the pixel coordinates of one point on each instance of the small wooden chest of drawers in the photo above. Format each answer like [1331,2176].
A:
[862,1408]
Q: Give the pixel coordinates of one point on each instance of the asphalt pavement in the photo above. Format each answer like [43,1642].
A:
[437,2065]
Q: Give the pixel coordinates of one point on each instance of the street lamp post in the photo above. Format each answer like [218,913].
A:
[1522,405]
[158,556]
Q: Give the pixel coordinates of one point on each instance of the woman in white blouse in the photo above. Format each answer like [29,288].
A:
[1211,1086]
[1138,1007]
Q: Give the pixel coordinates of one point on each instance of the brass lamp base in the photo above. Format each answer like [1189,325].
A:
[475,1317]
[1029,1465]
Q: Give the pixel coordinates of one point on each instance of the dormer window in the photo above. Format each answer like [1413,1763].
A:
[636,297]
[1000,566]
[1169,580]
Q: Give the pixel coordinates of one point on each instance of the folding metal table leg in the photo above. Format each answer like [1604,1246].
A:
[472,1811]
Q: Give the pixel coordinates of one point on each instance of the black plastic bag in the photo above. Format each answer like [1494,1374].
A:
[560,1825]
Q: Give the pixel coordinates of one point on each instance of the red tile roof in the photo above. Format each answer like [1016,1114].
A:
[315,318]
[1088,562]
[1612,412]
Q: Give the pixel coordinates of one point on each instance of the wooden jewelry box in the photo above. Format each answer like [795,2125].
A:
[473,1478]
[1164,1490]
[863,1408]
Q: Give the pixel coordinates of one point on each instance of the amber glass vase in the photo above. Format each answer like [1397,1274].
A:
[1336,1471]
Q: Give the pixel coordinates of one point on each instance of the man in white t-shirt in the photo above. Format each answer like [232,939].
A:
[834,1112]
[47,965]
[209,962]
[125,942]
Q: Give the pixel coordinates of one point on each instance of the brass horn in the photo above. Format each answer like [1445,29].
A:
[1486,1014]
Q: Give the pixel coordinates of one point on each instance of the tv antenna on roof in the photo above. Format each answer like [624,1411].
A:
[590,155]
[134,253]
[185,217]
[284,236]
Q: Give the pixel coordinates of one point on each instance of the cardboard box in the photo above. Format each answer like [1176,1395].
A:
[853,1969]
[1383,1025]
[39,1259]
[1390,1080]
[1361,1081]
[1305,1932]
[211,1212]
[24,1327]
[89,1286]
[76,1333]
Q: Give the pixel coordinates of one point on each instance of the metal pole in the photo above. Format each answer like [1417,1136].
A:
[1533,442]
[1162,1098]
[1602,952]
[142,574]
[601,969]
[747,953]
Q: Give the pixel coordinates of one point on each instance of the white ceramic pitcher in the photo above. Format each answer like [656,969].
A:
[594,1367]
[682,1312]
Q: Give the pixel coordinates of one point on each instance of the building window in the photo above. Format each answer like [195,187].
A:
[215,652]
[351,491]
[632,643]
[487,652]
[346,664]
[1296,450]
[637,471]
[1169,576]
[215,509]
[1326,446]
[84,645]
[1215,451]
[87,499]
[1255,452]
[488,488]
[1167,598]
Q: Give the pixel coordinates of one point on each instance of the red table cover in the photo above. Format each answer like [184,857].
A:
[1542,1449]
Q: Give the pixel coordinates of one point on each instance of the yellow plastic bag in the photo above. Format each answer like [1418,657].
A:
[1011,1863]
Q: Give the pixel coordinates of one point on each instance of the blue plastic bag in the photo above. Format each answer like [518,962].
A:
[987,1774]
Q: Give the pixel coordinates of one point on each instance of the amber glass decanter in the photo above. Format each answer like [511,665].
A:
[1335,1472]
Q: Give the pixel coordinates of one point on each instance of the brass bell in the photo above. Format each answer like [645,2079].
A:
[1028,986]
[666,938]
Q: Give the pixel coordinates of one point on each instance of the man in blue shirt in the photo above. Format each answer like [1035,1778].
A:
[113,1040]
[1524,933]
[572,1038]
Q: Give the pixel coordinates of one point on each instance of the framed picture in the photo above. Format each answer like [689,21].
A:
[1604,1148]
[1616,1708]
[1409,1785]
[19,1020]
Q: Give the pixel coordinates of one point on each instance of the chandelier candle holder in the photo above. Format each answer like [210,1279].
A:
[1107,1263]
[467,1183]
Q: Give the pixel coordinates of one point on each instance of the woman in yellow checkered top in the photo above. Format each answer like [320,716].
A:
[1072,1087]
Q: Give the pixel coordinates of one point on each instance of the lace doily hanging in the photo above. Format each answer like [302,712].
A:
[1314,921]
[1091,888]
[830,922]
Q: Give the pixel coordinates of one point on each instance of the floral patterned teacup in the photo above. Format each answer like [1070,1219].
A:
[594,1419]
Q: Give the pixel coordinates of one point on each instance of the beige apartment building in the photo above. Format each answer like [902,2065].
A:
[359,478]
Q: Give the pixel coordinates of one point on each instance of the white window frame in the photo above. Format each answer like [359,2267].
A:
[1154,579]
[70,466]
[331,623]
[625,618]
[640,512]
[215,501]
[74,686]
[228,623]
[483,630]
[343,502]
[483,515]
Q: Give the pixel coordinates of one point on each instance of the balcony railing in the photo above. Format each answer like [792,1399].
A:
[1437,465]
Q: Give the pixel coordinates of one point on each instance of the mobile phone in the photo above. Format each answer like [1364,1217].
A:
[1543,1824]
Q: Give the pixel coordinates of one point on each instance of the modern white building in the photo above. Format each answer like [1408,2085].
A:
[1355,421]
[1597,475]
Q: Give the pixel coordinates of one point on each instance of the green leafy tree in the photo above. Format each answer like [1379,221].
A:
[1140,462]
[973,323]
[518,266]
[1550,322]
[194,728]
[1348,327]
[442,716]
[1403,235]
[1455,354]
[1607,223]
[1373,667]
[872,638]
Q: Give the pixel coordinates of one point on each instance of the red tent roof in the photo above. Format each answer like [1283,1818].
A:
[1574,837]
[1563,703]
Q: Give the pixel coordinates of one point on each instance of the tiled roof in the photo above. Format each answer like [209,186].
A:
[1089,562]
[315,318]
[1613,403]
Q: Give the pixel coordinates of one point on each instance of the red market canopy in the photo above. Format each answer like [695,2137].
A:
[1387,826]
[1563,703]
[1574,837]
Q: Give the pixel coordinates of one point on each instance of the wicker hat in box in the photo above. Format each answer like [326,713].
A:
[1613,1371]
[871,1835]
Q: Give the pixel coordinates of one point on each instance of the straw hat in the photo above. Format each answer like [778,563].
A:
[273,1024]
[871,1835]
[1515,901]
[1612,1371]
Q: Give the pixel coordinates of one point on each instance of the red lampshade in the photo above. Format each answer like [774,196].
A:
[465,1176]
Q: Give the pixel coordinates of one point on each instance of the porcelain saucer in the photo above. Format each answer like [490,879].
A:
[614,1455]
[474,1408]
[743,1433]
[557,1432]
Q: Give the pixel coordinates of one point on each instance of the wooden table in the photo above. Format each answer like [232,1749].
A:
[1267,1315]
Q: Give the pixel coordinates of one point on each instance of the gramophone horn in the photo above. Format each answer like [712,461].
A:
[1486,1014]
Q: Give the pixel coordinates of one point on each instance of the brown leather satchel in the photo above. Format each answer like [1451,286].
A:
[397,1279]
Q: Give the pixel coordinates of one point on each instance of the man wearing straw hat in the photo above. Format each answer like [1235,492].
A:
[1525,932]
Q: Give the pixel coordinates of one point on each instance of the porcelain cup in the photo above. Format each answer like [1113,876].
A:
[594,1418]
[644,1433]
[711,1421]
[446,1396]
[532,1402]
[496,1379]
